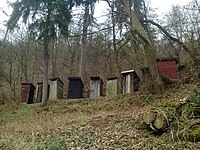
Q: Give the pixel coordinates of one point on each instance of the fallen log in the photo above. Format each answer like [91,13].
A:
[148,117]
[160,122]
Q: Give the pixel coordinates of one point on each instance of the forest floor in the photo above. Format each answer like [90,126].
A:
[103,123]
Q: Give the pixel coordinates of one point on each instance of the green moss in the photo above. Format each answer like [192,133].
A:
[196,132]
[165,103]
[147,98]
[9,114]
[5,146]
[81,122]
[194,135]
[195,95]
[112,129]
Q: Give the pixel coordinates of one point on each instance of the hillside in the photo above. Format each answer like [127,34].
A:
[104,123]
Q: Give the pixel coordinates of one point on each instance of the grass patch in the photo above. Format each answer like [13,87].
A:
[9,114]
[104,123]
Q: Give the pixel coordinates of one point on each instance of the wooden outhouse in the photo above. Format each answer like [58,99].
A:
[96,86]
[56,89]
[112,86]
[39,92]
[130,81]
[27,92]
[167,67]
[75,88]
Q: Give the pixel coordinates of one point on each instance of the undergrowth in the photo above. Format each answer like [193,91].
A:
[104,123]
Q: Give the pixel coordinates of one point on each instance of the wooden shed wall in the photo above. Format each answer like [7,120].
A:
[112,87]
[75,89]
[96,86]
[27,92]
[56,89]
[167,69]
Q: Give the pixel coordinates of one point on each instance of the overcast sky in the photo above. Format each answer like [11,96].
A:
[164,6]
[161,5]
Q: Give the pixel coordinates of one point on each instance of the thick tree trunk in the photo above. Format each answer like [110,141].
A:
[45,77]
[155,79]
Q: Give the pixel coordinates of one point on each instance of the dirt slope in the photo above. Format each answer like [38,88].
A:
[104,123]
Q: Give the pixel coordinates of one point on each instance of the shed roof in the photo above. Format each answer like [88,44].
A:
[127,71]
[28,84]
[95,78]
[112,78]
[168,59]
[56,79]
[76,78]
[40,83]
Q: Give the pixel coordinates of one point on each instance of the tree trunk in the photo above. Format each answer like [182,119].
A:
[45,77]
[54,60]
[84,43]
[155,79]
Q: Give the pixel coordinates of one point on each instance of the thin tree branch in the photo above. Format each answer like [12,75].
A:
[167,34]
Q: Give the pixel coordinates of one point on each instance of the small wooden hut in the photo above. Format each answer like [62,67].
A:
[75,88]
[130,81]
[56,89]
[112,86]
[96,86]
[39,92]
[27,92]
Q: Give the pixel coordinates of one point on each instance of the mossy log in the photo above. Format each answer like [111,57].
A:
[149,117]
[160,122]
[182,120]
[158,119]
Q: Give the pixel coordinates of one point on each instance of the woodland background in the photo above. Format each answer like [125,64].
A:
[104,49]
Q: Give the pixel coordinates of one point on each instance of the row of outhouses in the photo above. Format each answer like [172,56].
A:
[129,83]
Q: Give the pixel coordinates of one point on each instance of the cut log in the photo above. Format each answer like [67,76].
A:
[149,117]
[160,122]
